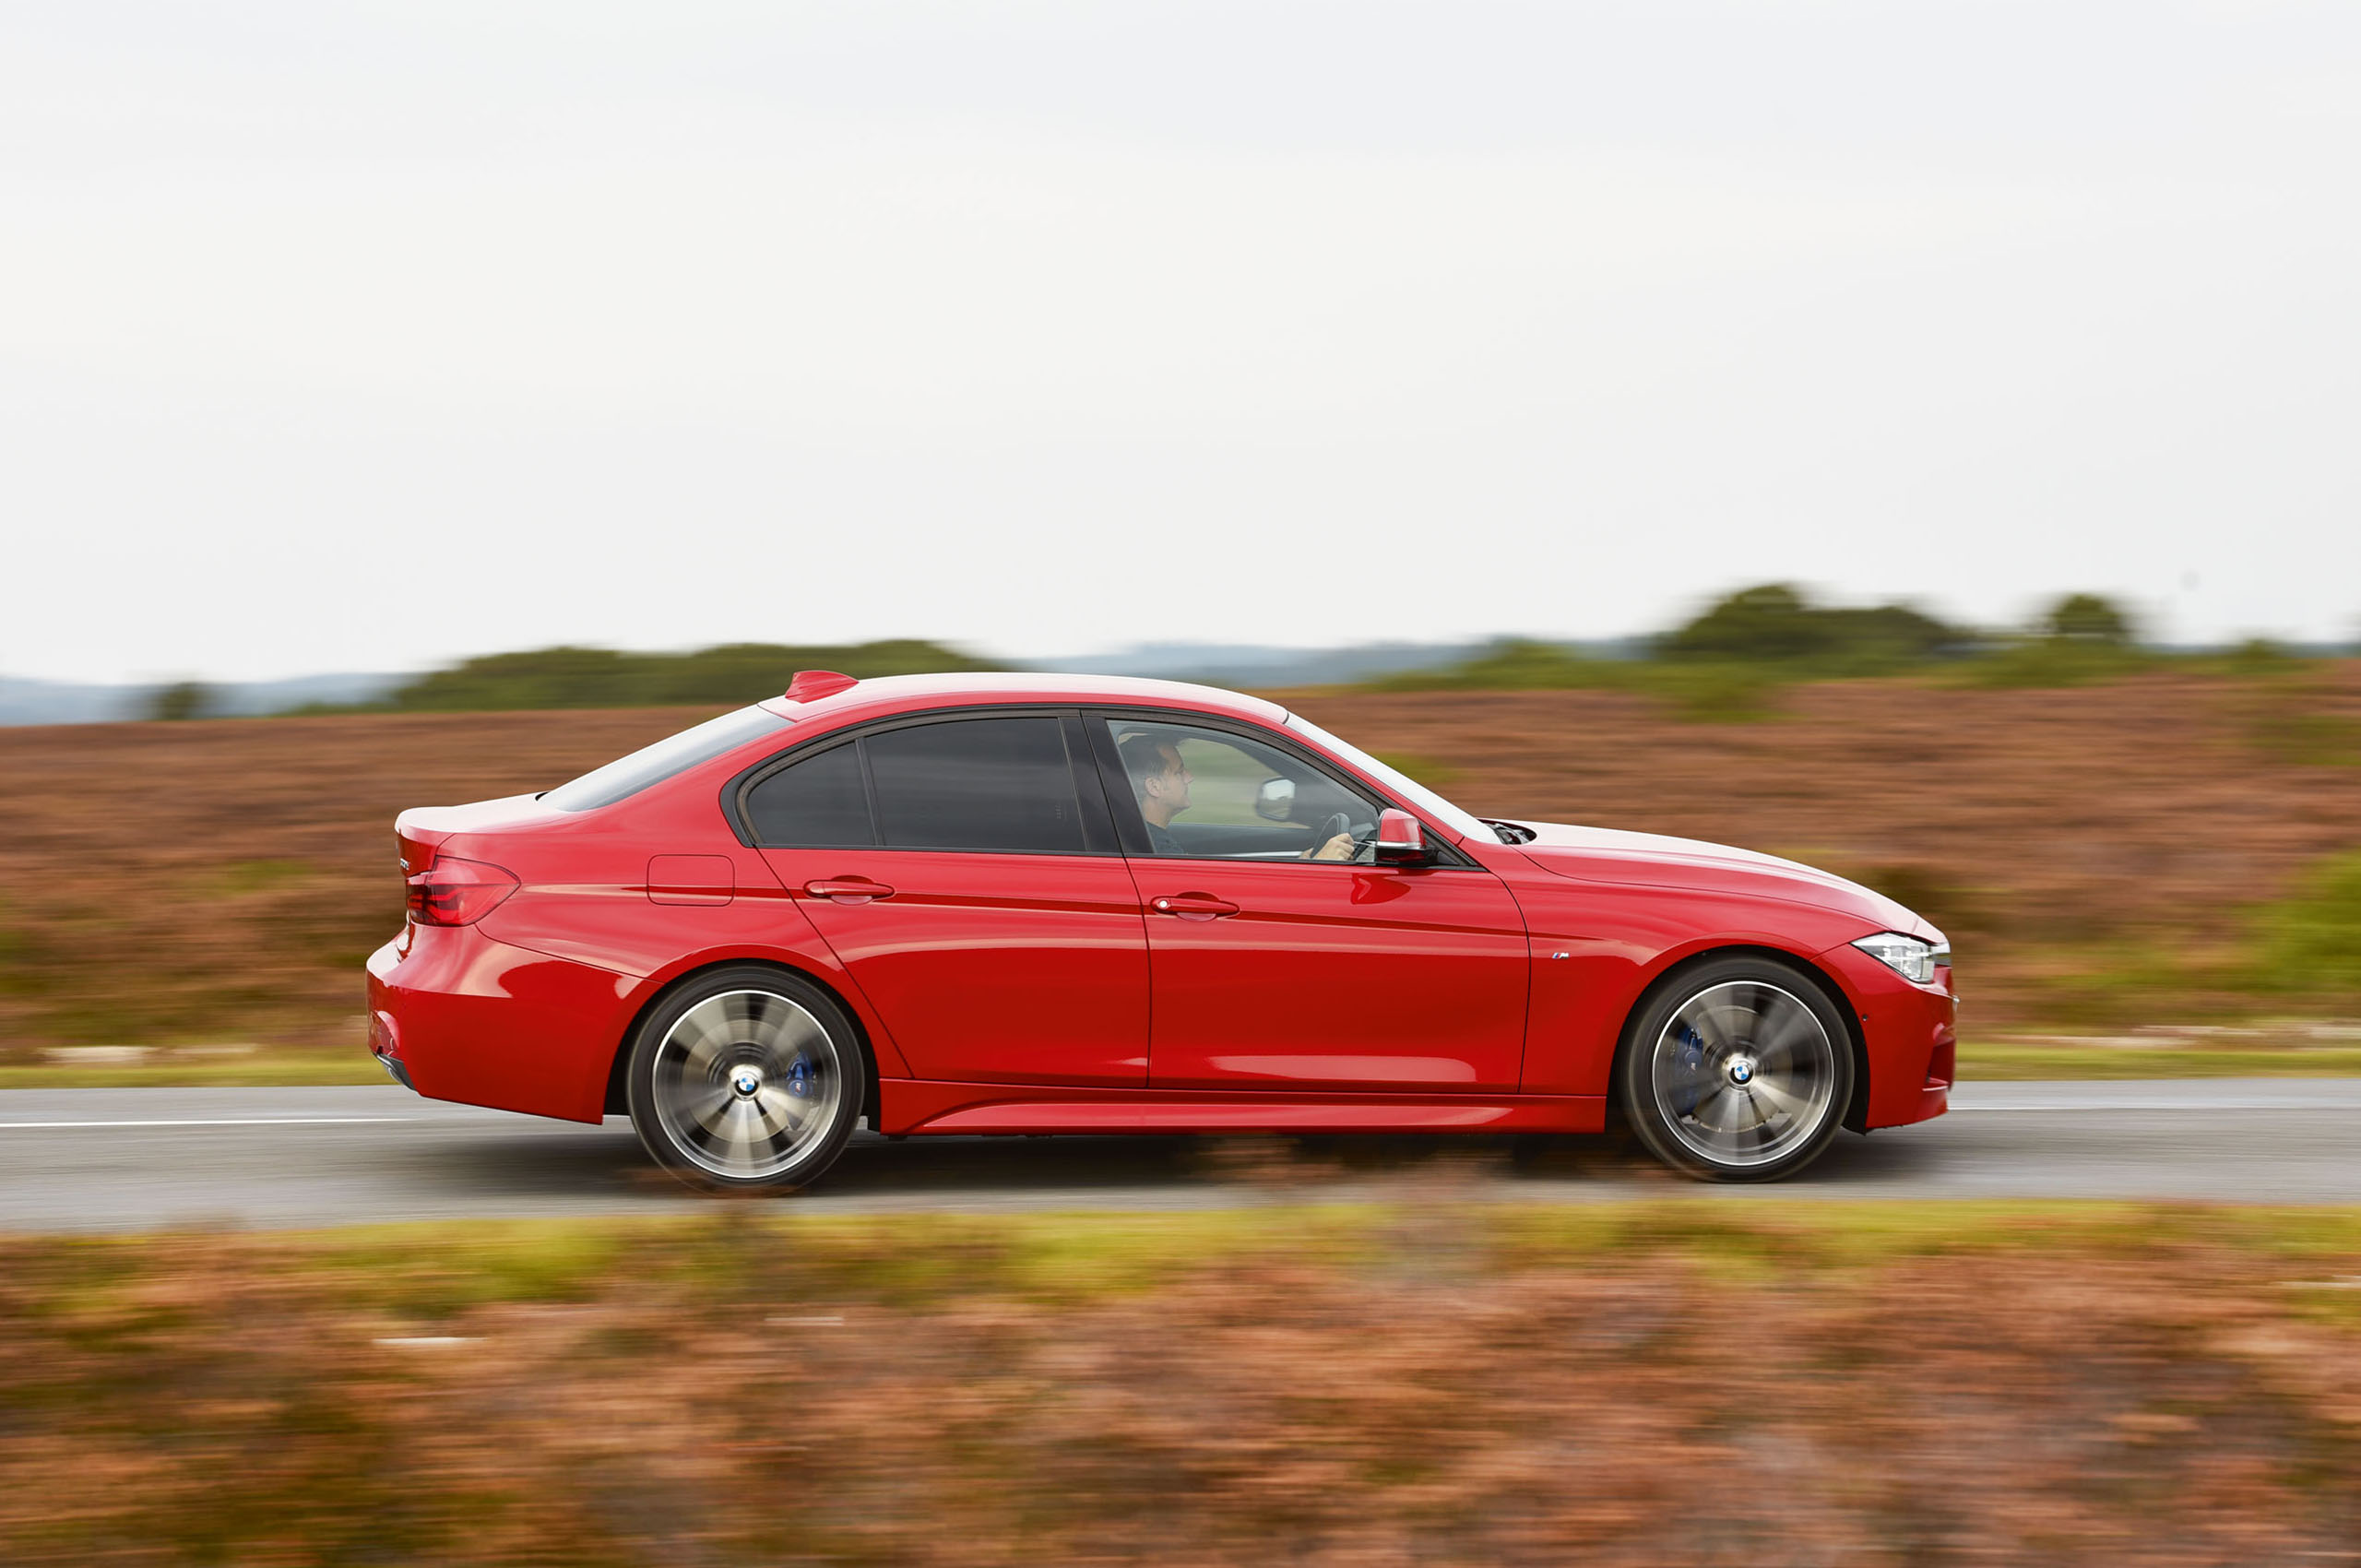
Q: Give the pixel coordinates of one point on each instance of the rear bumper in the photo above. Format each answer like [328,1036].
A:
[1910,1032]
[453,1015]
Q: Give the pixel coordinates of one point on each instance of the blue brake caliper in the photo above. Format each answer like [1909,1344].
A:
[1692,1068]
[799,1078]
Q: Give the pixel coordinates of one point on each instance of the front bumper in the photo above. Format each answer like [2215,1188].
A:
[1911,1035]
[453,1015]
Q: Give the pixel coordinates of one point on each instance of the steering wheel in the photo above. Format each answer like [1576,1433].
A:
[1335,823]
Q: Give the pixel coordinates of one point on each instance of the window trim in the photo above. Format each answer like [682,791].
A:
[1096,822]
[1132,828]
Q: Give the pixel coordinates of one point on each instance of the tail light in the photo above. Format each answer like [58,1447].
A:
[454,892]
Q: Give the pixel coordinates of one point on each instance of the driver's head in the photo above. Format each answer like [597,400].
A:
[1158,777]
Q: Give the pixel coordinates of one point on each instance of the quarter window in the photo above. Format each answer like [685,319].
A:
[819,802]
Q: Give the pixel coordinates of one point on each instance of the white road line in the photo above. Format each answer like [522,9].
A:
[428,1342]
[229,1122]
[2160,1105]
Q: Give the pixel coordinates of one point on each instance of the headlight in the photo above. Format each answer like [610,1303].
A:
[1906,956]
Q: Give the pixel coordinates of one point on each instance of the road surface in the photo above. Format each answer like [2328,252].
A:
[130,1160]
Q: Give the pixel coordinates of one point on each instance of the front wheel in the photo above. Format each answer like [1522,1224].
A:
[1740,1072]
[746,1078]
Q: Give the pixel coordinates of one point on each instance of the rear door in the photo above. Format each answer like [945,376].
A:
[965,871]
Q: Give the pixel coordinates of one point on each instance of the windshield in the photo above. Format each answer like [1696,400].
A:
[1465,825]
[653,764]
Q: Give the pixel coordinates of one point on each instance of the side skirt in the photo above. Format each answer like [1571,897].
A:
[918,1105]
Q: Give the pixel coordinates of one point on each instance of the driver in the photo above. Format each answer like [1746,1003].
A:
[1160,780]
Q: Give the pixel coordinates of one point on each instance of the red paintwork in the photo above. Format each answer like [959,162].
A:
[1014,968]
[1334,977]
[1044,993]
[481,1021]
[691,879]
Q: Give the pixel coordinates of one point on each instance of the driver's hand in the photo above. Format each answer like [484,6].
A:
[1340,847]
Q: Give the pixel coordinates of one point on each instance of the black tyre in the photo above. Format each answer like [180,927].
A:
[1739,1071]
[746,1076]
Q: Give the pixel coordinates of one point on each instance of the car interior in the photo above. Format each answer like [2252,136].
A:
[1253,802]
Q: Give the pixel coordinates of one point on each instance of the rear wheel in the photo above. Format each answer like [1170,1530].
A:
[746,1078]
[1740,1072]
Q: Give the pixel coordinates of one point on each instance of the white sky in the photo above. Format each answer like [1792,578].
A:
[368,336]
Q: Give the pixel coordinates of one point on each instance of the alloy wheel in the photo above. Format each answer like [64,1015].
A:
[1743,1074]
[745,1084]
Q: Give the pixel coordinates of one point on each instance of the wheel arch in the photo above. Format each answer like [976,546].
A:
[616,1101]
[1856,1109]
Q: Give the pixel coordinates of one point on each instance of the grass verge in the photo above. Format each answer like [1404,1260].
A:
[264,1069]
[1992,1060]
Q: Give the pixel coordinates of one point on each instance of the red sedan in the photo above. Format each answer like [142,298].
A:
[1053,904]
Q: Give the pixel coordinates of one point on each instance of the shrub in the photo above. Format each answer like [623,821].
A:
[2311,941]
[2088,618]
[1775,622]
[181,699]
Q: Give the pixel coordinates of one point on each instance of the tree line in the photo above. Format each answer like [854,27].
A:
[1769,632]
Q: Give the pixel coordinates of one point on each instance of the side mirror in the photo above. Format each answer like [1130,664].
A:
[1275,802]
[1401,840]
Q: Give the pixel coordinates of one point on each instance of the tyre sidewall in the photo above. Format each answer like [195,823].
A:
[640,1078]
[1638,1094]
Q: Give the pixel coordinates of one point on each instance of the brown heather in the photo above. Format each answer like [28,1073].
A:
[2092,850]
[1435,1394]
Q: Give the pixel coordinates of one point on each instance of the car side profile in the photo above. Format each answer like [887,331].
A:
[964,904]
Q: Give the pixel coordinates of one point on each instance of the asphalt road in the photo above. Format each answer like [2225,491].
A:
[129,1159]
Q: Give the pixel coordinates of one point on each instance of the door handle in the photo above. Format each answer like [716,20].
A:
[848,889]
[1192,906]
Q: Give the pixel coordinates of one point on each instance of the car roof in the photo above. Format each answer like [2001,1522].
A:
[899,693]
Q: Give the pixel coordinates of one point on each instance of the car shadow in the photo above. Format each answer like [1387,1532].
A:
[607,1165]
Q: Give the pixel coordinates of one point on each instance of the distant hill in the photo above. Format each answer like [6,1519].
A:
[598,677]
[1262,667]
[71,702]
[605,677]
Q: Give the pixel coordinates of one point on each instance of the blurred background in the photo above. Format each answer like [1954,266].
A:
[1912,437]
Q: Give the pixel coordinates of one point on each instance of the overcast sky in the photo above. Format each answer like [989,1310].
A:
[369,336]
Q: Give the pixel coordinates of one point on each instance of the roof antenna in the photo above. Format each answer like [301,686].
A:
[810,685]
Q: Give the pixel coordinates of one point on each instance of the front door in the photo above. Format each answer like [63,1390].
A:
[1281,958]
[963,871]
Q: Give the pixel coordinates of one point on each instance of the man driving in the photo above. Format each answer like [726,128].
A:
[1160,780]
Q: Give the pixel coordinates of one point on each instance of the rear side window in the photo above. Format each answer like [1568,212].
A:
[653,764]
[819,802]
[976,784]
[1003,784]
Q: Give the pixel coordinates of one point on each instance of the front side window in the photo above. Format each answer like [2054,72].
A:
[1466,824]
[993,784]
[1212,794]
